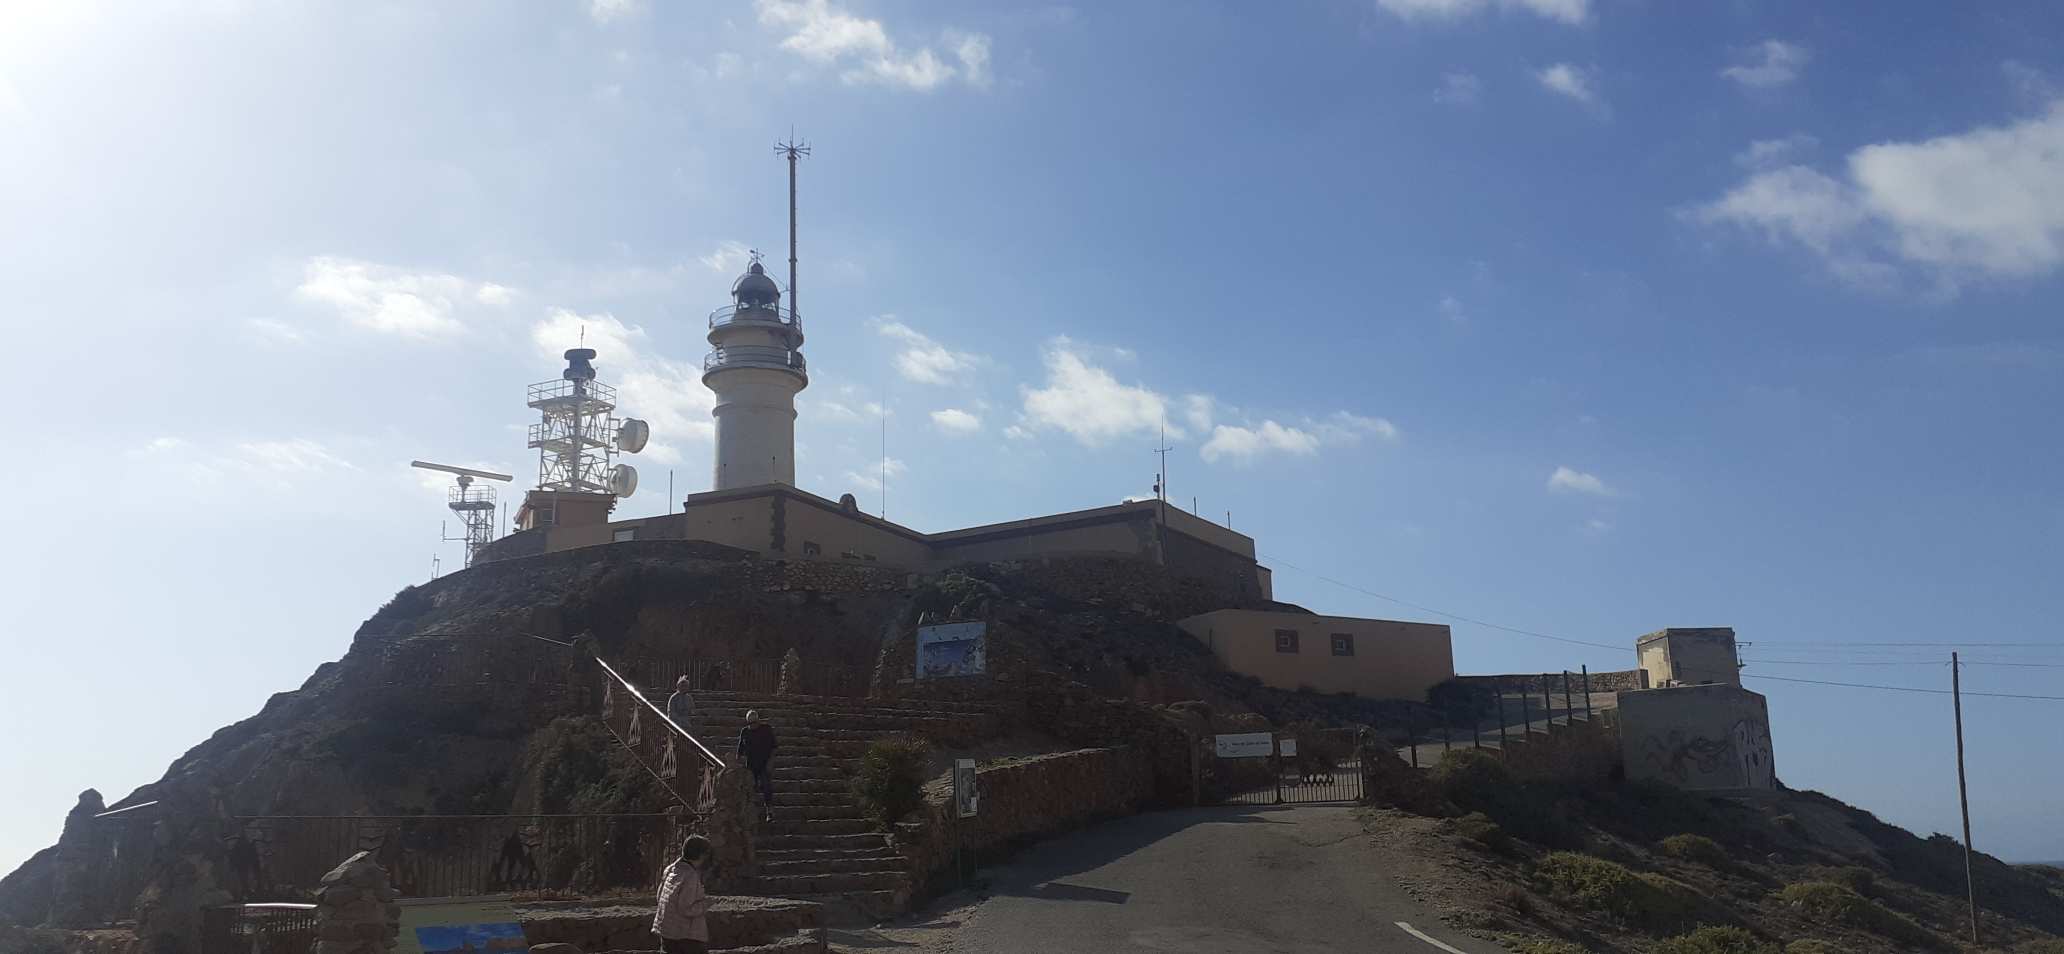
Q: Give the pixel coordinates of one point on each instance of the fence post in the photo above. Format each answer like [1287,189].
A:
[1447,732]
[1476,730]
[1567,709]
[1412,738]
[1526,711]
[1587,691]
[1547,702]
[1498,689]
[1276,763]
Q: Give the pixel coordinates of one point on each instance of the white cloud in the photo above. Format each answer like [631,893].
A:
[1576,82]
[605,11]
[922,359]
[870,478]
[1771,153]
[829,36]
[271,464]
[2028,83]
[1597,526]
[494,295]
[1016,433]
[665,392]
[1769,64]
[1088,403]
[1451,310]
[1459,89]
[390,300]
[729,258]
[1565,480]
[1245,443]
[955,422]
[275,331]
[1564,11]
[1198,410]
[1348,428]
[1989,201]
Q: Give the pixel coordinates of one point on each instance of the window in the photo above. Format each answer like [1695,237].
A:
[1343,644]
[1286,640]
[811,548]
[622,535]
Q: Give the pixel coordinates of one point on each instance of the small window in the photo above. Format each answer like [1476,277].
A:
[1343,644]
[624,535]
[812,548]
[1286,640]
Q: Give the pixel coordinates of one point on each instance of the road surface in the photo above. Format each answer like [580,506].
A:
[1260,880]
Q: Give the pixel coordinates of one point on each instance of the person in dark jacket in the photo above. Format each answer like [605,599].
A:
[756,747]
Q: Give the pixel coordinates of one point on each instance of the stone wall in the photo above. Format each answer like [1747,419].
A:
[1023,800]
[355,909]
[1703,738]
[733,922]
[1622,680]
[1231,574]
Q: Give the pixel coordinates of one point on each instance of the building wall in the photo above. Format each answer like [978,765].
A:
[1120,533]
[1202,529]
[1391,660]
[1690,657]
[1703,738]
[808,520]
[1228,570]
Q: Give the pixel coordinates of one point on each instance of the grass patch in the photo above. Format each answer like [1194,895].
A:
[1478,827]
[1716,940]
[1648,901]
[1477,781]
[1695,848]
[891,779]
[1828,901]
[1524,944]
[1812,946]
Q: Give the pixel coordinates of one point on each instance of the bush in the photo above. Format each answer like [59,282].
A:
[1478,781]
[1648,901]
[1472,777]
[1854,877]
[1828,901]
[1716,940]
[1695,848]
[1478,827]
[891,779]
[2045,946]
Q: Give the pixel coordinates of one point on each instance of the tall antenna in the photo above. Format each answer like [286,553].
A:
[792,150]
[1161,450]
[885,461]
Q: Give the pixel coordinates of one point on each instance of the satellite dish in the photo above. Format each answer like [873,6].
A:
[623,480]
[632,434]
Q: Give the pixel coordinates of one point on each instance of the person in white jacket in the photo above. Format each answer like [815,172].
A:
[682,917]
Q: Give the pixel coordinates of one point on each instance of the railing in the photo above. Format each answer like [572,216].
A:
[754,356]
[436,856]
[756,315]
[559,389]
[760,676]
[471,498]
[260,929]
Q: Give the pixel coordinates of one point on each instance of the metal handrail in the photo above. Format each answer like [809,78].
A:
[559,388]
[755,356]
[786,317]
[707,755]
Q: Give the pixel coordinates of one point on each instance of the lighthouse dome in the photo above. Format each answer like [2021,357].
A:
[754,288]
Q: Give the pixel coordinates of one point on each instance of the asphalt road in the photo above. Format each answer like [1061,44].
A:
[1277,880]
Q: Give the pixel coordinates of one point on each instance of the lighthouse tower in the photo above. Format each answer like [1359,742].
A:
[756,368]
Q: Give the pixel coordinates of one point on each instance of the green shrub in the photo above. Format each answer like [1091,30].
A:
[1828,901]
[1854,877]
[1524,944]
[1716,940]
[1648,901]
[1695,848]
[891,779]
[1478,827]
[1811,946]
[2049,945]
[1471,777]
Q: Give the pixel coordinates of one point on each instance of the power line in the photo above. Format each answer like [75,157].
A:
[1932,692]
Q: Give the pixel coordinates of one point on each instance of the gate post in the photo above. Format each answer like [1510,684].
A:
[1568,710]
[1587,691]
[1526,712]
[1276,762]
[1412,738]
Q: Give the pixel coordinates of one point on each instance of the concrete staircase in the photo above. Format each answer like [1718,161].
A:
[819,845]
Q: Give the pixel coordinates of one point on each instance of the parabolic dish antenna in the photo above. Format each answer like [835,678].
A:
[632,434]
[623,480]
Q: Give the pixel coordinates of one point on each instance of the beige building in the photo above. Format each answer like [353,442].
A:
[1689,657]
[782,522]
[1375,658]
[1712,737]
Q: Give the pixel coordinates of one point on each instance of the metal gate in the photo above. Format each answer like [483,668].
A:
[1310,765]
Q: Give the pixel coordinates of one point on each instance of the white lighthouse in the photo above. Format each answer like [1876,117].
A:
[756,369]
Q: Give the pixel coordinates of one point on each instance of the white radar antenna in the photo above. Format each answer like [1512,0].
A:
[474,505]
[578,435]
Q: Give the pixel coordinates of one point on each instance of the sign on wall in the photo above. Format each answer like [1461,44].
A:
[965,798]
[459,927]
[1245,745]
[946,650]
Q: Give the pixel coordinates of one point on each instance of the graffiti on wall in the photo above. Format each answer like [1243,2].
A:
[1739,759]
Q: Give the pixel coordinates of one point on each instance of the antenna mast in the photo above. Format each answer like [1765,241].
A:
[792,150]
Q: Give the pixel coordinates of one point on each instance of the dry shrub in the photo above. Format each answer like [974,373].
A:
[1828,901]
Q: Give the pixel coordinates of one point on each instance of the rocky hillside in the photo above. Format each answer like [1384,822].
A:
[444,704]
[1617,868]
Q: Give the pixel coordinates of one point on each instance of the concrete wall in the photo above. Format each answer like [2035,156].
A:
[807,519]
[1391,659]
[1703,738]
[1110,530]
[1023,800]
[1689,657]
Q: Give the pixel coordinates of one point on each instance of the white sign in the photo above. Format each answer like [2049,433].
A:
[1287,747]
[1246,745]
[952,649]
[965,798]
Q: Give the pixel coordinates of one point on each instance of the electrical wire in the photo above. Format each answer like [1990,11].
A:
[1935,692]
[1429,609]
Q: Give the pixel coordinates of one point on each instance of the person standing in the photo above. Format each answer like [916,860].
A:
[680,706]
[682,917]
[756,745]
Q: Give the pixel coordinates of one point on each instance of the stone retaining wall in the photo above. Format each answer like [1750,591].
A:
[733,922]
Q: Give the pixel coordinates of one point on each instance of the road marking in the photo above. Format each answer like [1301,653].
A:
[1415,932]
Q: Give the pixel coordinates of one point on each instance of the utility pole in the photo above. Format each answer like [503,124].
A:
[1956,695]
[1161,450]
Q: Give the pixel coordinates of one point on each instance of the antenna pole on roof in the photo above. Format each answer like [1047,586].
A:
[792,151]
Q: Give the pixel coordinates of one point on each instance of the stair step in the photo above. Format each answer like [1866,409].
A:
[838,798]
[787,785]
[820,841]
[782,886]
[802,942]
[881,849]
[836,865]
[813,773]
[830,812]
[856,907]
[818,826]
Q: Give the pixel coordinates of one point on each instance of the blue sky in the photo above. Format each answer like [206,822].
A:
[1587,317]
